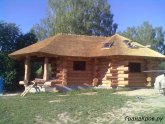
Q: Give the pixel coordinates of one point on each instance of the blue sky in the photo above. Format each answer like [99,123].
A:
[26,13]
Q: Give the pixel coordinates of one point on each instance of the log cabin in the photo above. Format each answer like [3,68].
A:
[79,60]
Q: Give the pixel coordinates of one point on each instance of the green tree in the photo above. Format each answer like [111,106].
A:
[146,34]
[12,39]
[90,17]
[9,33]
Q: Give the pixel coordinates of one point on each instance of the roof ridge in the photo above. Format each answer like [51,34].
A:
[72,34]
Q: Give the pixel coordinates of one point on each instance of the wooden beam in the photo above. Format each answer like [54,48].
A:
[64,72]
[27,69]
[95,72]
[46,70]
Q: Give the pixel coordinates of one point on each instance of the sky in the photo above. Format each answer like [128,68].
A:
[26,13]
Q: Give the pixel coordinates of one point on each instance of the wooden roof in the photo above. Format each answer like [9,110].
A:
[86,46]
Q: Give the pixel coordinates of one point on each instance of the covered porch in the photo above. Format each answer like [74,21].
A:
[62,71]
[53,71]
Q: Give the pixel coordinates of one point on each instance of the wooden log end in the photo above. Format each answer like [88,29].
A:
[23,82]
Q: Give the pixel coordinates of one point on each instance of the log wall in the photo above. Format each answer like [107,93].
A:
[79,77]
[152,65]
[115,72]
[108,71]
[57,69]
[137,79]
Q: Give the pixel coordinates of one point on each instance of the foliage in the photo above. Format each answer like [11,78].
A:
[147,35]
[90,17]
[6,68]
[9,33]
[57,108]
[12,39]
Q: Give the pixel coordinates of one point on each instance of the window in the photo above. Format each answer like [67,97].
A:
[108,45]
[134,67]
[79,65]
[131,44]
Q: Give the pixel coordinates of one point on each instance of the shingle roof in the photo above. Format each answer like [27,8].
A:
[87,46]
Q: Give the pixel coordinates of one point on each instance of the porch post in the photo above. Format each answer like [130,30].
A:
[46,75]
[64,73]
[95,72]
[27,69]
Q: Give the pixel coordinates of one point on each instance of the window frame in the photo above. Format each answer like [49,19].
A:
[133,67]
[79,66]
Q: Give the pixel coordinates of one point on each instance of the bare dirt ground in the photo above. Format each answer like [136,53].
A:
[139,92]
[88,93]
[146,101]
[147,97]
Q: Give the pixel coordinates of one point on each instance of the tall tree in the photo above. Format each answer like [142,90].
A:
[91,17]
[9,33]
[12,39]
[146,34]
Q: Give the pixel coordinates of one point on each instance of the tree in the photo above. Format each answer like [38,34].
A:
[147,35]
[9,33]
[12,39]
[90,17]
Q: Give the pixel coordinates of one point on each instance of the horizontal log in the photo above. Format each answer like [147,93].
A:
[120,79]
[80,82]
[78,59]
[87,65]
[122,68]
[103,79]
[125,63]
[137,78]
[78,79]
[111,77]
[106,82]
[104,64]
[121,83]
[137,74]
[80,72]
[121,72]
[80,75]
[137,84]
[137,81]
[107,75]
[123,76]
[87,69]
[103,70]
[113,70]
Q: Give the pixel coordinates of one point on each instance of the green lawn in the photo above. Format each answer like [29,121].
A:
[71,107]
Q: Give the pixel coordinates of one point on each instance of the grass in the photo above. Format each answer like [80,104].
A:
[152,117]
[156,114]
[70,107]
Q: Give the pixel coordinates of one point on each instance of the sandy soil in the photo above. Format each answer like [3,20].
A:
[139,92]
